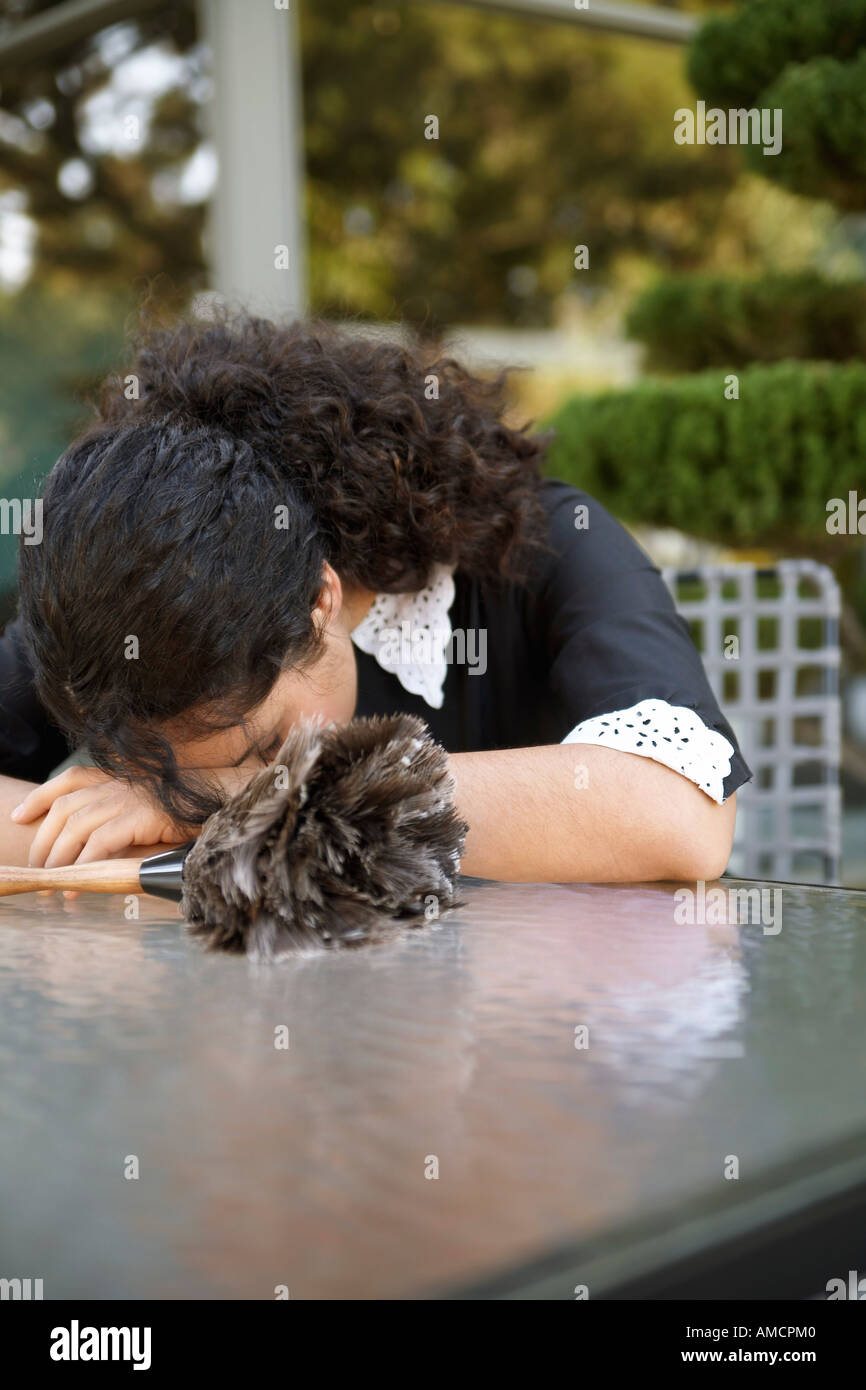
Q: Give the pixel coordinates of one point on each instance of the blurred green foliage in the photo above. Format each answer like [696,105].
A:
[549,136]
[823,152]
[756,471]
[734,58]
[53,350]
[805,58]
[689,322]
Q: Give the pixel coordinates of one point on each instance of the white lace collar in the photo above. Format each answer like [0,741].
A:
[409,635]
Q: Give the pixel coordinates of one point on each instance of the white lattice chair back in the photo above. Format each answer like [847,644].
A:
[769,638]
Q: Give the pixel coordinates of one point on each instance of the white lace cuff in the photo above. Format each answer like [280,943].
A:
[669,734]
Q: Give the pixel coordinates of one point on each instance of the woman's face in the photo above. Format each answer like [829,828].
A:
[326,691]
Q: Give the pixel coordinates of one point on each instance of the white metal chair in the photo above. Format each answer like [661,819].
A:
[769,638]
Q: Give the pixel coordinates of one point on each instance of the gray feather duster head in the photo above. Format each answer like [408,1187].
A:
[351,827]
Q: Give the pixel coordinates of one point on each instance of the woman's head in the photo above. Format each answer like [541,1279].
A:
[207,541]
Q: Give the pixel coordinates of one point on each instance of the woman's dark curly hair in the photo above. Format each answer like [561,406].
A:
[165,587]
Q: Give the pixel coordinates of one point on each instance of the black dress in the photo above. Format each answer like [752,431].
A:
[593,631]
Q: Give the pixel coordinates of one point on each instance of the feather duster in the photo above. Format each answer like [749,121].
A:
[352,829]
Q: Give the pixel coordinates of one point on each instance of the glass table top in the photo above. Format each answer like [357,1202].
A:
[547,1064]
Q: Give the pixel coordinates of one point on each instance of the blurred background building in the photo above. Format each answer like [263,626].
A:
[498,174]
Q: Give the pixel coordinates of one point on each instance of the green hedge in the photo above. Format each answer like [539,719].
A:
[754,471]
[689,322]
[731,61]
[823,152]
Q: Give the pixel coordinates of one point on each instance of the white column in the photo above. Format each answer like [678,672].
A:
[256,220]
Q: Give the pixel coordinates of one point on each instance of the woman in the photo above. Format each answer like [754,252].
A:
[267,523]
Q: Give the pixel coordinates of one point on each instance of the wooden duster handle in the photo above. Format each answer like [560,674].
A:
[103,876]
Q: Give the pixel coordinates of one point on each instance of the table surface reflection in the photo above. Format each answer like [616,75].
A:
[574,1060]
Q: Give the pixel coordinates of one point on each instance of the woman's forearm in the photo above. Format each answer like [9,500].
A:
[566,813]
[584,813]
[15,840]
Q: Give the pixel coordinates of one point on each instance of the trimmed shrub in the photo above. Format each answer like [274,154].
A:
[759,470]
[732,60]
[689,322]
[823,152]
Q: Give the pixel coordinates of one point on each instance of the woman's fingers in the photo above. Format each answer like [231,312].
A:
[42,798]
[87,816]
[91,826]
[55,819]
[118,833]
[68,826]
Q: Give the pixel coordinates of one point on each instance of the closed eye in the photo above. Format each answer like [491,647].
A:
[268,754]
[265,753]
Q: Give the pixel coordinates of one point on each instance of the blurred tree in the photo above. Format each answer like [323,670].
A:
[761,467]
[545,137]
[549,137]
[735,57]
[93,161]
[823,152]
[809,61]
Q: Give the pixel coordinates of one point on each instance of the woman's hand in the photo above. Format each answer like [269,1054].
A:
[89,815]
